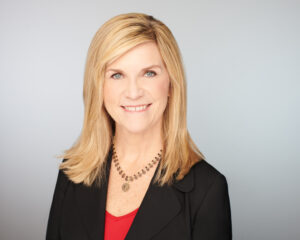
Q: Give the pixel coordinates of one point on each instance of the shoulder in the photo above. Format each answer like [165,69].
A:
[205,173]
[201,178]
[62,179]
[209,184]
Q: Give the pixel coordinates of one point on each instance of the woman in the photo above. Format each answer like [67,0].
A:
[135,172]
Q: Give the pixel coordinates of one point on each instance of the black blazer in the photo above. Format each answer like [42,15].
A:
[196,207]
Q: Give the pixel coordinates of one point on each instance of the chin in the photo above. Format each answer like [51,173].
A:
[136,128]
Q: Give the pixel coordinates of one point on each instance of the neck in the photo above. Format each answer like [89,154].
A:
[133,148]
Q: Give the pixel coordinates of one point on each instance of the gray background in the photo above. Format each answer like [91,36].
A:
[242,65]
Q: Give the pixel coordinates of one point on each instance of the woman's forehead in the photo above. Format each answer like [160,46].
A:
[142,55]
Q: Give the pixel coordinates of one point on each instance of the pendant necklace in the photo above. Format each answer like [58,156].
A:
[126,186]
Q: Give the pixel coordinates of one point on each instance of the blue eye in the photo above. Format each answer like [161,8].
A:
[116,76]
[152,73]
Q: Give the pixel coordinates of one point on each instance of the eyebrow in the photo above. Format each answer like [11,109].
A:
[119,70]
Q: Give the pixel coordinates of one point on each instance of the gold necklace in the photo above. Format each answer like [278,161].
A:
[126,186]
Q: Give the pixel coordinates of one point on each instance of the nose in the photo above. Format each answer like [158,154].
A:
[133,89]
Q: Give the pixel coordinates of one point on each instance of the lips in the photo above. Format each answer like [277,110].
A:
[135,105]
[136,108]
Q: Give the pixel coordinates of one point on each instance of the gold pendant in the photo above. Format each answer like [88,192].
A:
[125,187]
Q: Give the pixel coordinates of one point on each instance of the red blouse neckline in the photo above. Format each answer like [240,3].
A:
[121,217]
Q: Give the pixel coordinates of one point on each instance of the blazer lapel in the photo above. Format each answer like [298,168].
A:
[159,206]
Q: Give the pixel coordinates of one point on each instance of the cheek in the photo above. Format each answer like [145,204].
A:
[108,94]
[162,89]
[108,98]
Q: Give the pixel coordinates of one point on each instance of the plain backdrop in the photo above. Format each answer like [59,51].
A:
[242,66]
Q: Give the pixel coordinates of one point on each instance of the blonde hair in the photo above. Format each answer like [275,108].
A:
[86,159]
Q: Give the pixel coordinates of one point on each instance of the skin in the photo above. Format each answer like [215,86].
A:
[138,136]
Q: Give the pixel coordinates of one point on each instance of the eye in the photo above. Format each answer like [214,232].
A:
[152,74]
[118,76]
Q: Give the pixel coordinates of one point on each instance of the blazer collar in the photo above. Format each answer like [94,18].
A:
[187,183]
[149,220]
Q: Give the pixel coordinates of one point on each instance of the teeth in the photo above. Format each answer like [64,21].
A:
[134,109]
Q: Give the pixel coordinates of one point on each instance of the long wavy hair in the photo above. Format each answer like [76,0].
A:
[86,159]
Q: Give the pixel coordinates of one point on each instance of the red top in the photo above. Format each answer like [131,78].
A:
[116,228]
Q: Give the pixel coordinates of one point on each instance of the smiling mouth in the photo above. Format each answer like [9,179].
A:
[137,108]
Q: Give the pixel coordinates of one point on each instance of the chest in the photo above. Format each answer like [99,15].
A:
[120,202]
[163,213]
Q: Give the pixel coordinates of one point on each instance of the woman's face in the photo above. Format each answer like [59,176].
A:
[136,89]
